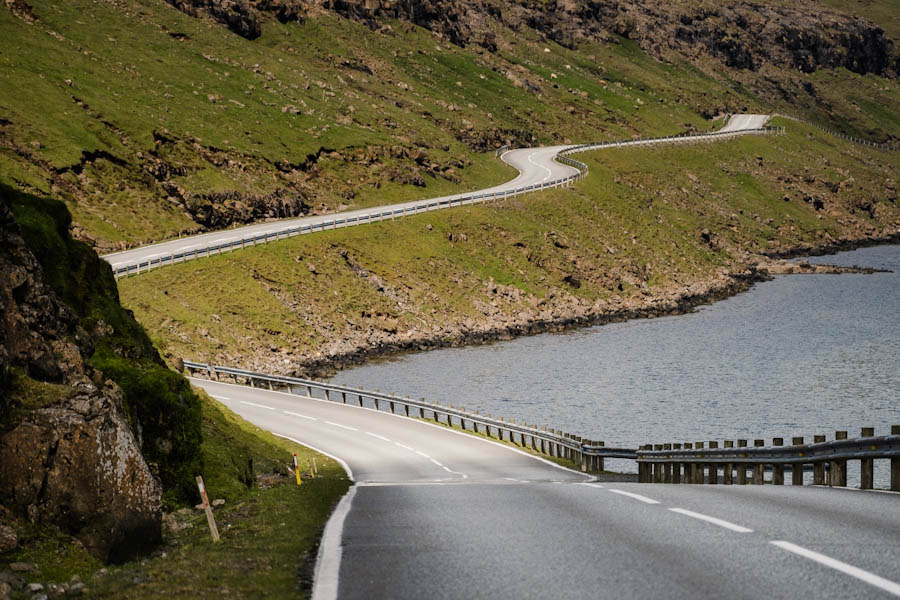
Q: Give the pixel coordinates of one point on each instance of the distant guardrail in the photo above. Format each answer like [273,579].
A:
[878,145]
[691,463]
[587,453]
[697,462]
[392,212]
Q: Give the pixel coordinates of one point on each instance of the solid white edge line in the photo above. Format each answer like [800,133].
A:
[870,578]
[256,405]
[411,419]
[339,461]
[635,496]
[713,520]
[328,561]
[220,397]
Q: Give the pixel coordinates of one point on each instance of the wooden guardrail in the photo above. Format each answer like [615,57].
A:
[589,454]
[729,463]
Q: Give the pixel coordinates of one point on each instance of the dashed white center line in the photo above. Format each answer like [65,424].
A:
[342,426]
[404,446]
[257,405]
[220,397]
[293,414]
[380,437]
[635,496]
[870,578]
[422,454]
[713,520]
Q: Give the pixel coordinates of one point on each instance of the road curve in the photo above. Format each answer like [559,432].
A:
[536,166]
[442,514]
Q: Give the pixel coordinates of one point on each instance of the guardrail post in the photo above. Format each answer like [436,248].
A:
[797,469]
[713,467]
[839,467]
[759,469]
[699,471]
[309,391]
[867,465]
[644,473]
[728,473]
[895,464]
[658,474]
[676,467]
[359,399]
[377,407]
[778,470]
[667,467]
[688,466]
[819,467]
[343,397]
[599,462]
[742,467]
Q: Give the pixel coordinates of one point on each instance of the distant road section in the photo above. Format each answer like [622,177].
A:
[537,168]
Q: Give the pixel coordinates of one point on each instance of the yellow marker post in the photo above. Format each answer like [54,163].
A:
[297,468]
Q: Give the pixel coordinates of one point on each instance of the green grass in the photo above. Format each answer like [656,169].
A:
[112,78]
[632,228]
[269,536]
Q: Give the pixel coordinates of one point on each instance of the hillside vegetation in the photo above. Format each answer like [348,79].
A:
[649,230]
[148,122]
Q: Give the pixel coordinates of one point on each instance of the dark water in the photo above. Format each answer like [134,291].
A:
[800,355]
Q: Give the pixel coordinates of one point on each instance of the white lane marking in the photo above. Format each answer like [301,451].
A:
[293,414]
[404,446]
[220,397]
[186,247]
[342,426]
[635,496]
[870,578]
[593,485]
[422,454]
[257,405]
[437,463]
[339,461]
[550,463]
[380,437]
[713,520]
[328,562]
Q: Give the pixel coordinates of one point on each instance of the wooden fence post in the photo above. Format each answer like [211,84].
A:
[839,467]
[797,468]
[209,514]
[867,465]
[778,470]
[759,468]
[728,475]
[819,467]
[742,467]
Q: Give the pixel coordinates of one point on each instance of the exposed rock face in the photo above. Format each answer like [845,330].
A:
[72,461]
[743,35]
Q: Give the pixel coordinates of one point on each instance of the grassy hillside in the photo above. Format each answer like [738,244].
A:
[147,122]
[269,526]
[646,224]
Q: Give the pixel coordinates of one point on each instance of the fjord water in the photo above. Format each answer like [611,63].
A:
[796,356]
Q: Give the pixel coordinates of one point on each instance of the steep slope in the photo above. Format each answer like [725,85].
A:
[149,121]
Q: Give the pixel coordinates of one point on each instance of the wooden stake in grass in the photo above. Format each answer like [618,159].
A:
[297,468]
[209,515]
[310,469]
[315,467]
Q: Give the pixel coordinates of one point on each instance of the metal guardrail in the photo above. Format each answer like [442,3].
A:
[660,463]
[588,453]
[877,145]
[696,463]
[391,212]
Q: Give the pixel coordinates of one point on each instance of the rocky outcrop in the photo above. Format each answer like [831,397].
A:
[68,456]
[743,35]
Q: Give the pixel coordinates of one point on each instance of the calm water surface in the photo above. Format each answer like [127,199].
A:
[799,355]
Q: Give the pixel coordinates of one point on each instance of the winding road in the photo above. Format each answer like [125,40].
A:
[536,166]
[437,513]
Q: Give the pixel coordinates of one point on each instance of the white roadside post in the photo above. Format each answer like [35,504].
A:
[209,515]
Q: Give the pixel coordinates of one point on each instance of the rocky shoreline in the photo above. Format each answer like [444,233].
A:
[668,303]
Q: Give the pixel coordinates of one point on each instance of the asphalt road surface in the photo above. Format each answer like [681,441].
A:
[535,166]
[441,514]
